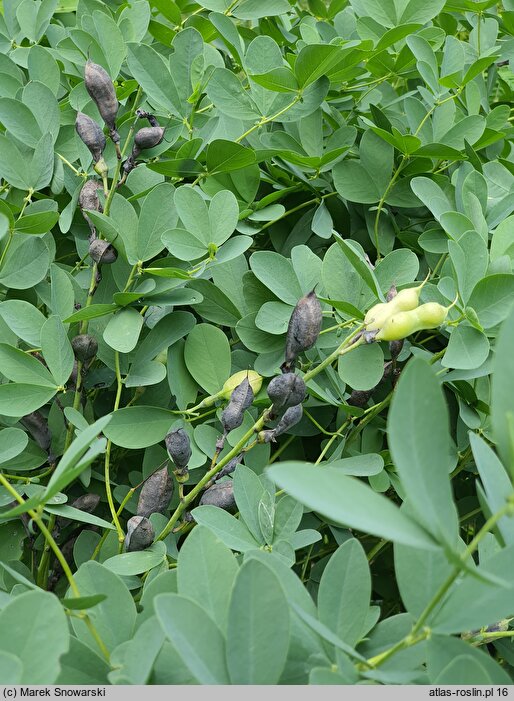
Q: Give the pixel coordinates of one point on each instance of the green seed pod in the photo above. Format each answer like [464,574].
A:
[91,134]
[102,252]
[286,390]
[432,314]
[178,446]
[220,494]
[84,346]
[101,89]
[399,326]
[148,137]
[140,534]
[304,327]
[155,494]
[292,416]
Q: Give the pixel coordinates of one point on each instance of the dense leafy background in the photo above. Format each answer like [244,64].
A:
[348,146]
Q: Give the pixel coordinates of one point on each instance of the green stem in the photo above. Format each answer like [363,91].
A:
[344,348]
[266,120]
[115,519]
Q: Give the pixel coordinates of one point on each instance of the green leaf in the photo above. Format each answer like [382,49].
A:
[20,399]
[151,72]
[258,604]
[225,156]
[255,9]
[228,529]
[363,368]
[226,92]
[419,440]
[69,466]
[196,638]
[502,415]
[206,570]
[138,426]
[80,603]
[81,665]
[11,668]
[492,299]
[114,617]
[13,441]
[442,650]
[26,263]
[277,273]
[207,357]
[468,348]
[33,627]
[345,591]
[347,501]
[22,367]
[137,562]
[92,312]
[57,350]
[158,214]
[73,514]
[419,573]
[393,13]
[38,223]
[123,329]
[24,319]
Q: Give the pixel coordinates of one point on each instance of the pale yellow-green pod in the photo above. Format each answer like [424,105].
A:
[377,315]
[405,300]
[254,379]
[432,314]
[399,326]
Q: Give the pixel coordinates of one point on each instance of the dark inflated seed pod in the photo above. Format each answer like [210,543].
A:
[84,346]
[178,446]
[240,399]
[102,252]
[229,467]
[304,327]
[155,494]
[91,134]
[359,398]
[391,293]
[88,200]
[140,534]
[286,390]
[290,419]
[231,418]
[101,89]
[220,494]
[86,503]
[37,426]
[148,137]
[395,348]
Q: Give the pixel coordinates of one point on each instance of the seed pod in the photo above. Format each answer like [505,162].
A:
[304,327]
[142,114]
[395,348]
[266,436]
[88,199]
[359,398]
[235,380]
[292,416]
[286,390]
[240,399]
[402,324]
[91,134]
[100,87]
[37,426]
[229,468]
[102,252]
[86,503]
[140,534]
[148,137]
[220,494]
[84,346]
[432,314]
[156,493]
[178,446]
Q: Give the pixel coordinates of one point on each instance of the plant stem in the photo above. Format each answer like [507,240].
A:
[115,519]
[344,348]
[266,120]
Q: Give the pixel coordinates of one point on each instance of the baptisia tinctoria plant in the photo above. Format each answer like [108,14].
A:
[256,330]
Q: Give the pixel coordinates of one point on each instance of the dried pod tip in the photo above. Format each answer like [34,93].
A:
[148,137]
[91,134]
[286,390]
[178,446]
[220,494]
[391,294]
[156,493]
[102,252]
[84,346]
[304,326]
[140,534]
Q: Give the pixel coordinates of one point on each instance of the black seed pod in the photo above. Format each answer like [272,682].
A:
[220,494]
[148,137]
[101,89]
[86,503]
[240,399]
[290,418]
[304,327]
[359,397]
[142,114]
[286,390]
[229,467]
[178,446]
[102,252]
[395,348]
[84,346]
[37,426]
[156,493]
[88,199]
[91,134]
[140,534]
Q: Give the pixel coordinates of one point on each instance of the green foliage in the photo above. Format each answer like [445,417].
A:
[300,163]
